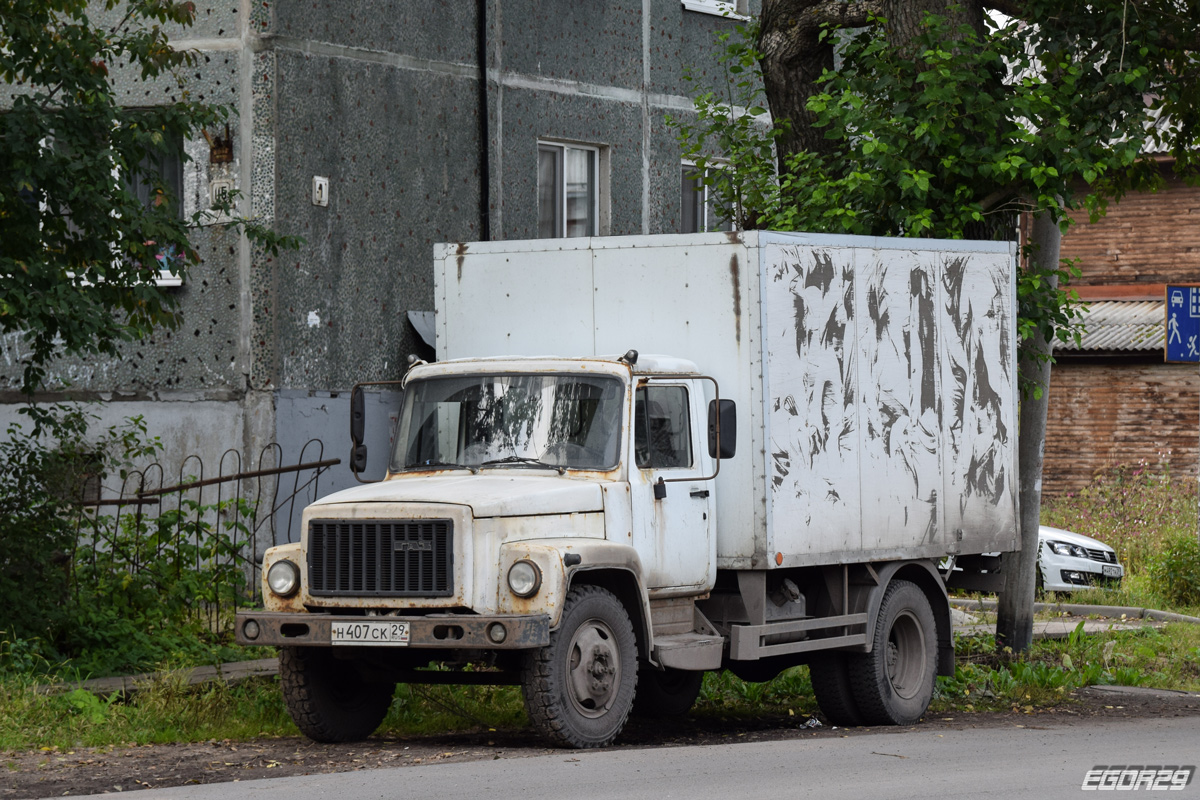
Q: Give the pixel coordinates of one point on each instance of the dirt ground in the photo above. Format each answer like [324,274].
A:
[96,771]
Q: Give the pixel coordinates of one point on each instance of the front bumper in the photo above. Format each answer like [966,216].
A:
[1068,573]
[440,631]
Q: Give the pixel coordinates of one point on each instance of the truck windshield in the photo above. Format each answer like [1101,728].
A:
[560,421]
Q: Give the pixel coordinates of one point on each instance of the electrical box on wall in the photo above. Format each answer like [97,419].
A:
[320,190]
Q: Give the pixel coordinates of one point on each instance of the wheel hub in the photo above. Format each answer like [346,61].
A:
[905,656]
[594,668]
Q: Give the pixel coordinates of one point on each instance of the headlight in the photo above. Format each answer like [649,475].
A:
[524,578]
[1065,549]
[284,578]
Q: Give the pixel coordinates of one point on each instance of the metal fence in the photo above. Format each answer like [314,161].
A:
[195,534]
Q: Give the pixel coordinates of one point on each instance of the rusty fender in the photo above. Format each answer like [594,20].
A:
[272,601]
[564,561]
[443,631]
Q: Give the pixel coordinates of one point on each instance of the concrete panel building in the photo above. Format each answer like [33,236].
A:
[374,130]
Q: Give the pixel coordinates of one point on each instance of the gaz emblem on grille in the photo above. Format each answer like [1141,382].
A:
[408,547]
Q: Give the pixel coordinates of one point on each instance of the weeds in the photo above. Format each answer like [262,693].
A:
[165,710]
[1136,509]
[1051,669]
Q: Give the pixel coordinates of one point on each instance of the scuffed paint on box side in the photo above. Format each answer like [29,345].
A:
[890,401]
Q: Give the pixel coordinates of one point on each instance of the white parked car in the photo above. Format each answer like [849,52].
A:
[1069,561]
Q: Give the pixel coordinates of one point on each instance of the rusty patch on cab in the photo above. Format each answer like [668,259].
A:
[294,604]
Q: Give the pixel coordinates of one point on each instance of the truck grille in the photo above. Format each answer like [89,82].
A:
[400,558]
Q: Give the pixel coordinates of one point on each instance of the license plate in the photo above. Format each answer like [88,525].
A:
[369,633]
[1112,571]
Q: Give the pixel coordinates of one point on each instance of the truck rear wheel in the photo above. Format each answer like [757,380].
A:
[893,684]
[666,692]
[328,700]
[830,673]
[579,689]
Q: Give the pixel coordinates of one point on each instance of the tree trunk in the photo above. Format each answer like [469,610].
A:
[1014,624]
[795,54]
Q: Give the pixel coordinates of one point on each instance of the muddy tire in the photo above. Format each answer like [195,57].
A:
[893,684]
[328,700]
[579,689]
[666,692]
[830,673]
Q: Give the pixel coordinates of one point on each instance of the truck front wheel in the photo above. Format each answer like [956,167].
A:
[579,688]
[893,684]
[328,700]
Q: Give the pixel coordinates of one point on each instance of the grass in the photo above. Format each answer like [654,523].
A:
[1136,510]
[168,710]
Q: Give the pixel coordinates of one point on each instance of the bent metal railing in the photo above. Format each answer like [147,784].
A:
[198,541]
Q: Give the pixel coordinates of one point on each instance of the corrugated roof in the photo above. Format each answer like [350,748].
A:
[1119,325]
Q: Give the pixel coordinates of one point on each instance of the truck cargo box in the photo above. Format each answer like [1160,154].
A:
[875,379]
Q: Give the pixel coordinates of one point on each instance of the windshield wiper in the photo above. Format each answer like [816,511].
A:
[523,460]
[425,464]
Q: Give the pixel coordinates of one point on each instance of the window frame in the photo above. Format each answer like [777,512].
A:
[129,181]
[707,202]
[596,155]
[643,435]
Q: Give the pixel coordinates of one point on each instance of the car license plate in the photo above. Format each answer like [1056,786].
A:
[369,633]
[1112,571]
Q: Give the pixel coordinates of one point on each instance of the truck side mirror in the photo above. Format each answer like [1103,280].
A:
[358,414]
[358,458]
[728,444]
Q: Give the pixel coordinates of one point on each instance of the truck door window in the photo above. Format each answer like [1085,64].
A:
[662,427]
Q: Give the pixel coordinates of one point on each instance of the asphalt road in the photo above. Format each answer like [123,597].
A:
[1002,762]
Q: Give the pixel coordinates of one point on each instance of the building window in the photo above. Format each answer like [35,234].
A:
[156,182]
[568,190]
[166,167]
[699,208]
[161,171]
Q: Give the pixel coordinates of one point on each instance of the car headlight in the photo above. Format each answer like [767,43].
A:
[1067,549]
[524,578]
[284,578]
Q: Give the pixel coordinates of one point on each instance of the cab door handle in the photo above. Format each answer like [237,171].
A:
[699,493]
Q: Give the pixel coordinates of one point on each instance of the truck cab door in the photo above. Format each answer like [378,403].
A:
[673,533]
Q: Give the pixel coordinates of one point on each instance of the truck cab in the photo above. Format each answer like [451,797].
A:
[513,485]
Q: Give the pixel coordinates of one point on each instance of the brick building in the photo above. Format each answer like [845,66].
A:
[1113,399]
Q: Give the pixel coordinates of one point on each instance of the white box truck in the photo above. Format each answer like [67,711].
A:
[638,459]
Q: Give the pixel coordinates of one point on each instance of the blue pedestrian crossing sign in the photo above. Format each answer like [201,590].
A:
[1183,323]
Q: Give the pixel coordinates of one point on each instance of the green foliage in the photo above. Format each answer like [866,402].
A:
[953,135]
[1051,669]
[79,245]
[81,250]
[97,594]
[1175,570]
[89,706]
[726,695]
[165,709]
[41,482]
[1137,509]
